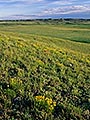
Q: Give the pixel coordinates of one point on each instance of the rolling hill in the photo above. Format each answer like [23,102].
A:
[44,76]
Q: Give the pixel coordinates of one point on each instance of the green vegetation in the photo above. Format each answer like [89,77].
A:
[66,30]
[44,77]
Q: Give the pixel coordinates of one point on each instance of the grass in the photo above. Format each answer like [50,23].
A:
[57,42]
[78,33]
[43,77]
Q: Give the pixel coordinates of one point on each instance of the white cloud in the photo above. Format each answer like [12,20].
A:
[61,2]
[43,7]
[8,1]
[67,9]
[18,3]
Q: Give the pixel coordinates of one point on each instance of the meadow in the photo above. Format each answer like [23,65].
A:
[44,71]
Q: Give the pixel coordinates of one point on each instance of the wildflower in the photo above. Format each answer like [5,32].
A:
[54,103]
[47,101]
[39,97]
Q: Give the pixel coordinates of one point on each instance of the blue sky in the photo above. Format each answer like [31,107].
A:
[29,9]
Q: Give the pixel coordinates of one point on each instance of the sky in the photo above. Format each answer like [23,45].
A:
[37,9]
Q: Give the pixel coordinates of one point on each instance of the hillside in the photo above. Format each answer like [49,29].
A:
[69,31]
[43,78]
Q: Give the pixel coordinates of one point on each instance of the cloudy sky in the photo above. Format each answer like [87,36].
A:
[29,9]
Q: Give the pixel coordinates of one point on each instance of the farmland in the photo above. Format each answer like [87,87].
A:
[44,71]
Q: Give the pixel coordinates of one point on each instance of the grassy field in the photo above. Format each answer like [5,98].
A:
[73,32]
[44,71]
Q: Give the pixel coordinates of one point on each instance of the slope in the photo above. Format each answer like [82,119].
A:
[40,79]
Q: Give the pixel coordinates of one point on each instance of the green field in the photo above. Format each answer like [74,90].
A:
[44,71]
[73,32]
